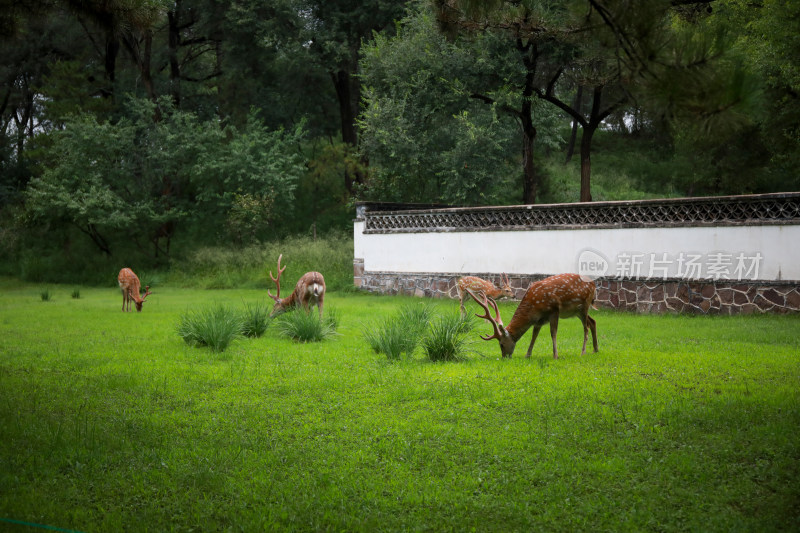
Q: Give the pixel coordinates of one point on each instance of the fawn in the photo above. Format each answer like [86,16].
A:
[481,286]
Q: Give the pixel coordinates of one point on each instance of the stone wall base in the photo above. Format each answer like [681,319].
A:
[723,297]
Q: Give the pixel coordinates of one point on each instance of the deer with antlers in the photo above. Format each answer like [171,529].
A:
[561,296]
[482,286]
[309,291]
[131,289]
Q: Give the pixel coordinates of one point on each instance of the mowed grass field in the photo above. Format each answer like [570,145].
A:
[109,422]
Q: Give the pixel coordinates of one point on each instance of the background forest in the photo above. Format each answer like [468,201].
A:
[147,132]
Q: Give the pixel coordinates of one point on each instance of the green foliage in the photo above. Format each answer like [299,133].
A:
[76,294]
[138,178]
[70,89]
[447,338]
[427,139]
[255,319]
[251,178]
[305,326]
[322,199]
[400,333]
[250,215]
[389,337]
[45,294]
[215,327]
[217,268]
[443,337]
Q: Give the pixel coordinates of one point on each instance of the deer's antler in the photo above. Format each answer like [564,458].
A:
[497,323]
[277,280]
[146,292]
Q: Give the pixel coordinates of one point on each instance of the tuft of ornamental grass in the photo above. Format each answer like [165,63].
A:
[216,327]
[305,326]
[401,333]
[76,294]
[447,338]
[255,319]
[45,294]
[390,338]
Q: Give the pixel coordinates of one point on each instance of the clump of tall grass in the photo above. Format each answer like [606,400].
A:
[216,327]
[255,319]
[399,334]
[45,294]
[447,338]
[305,326]
[76,294]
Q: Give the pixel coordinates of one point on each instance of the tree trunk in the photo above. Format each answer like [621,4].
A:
[147,76]
[110,61]
[586,162]
[174,66]
[98,239]
[574,135]
[347,94]
[529,181]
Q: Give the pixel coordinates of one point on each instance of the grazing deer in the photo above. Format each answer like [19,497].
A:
[481,286]
[131,289]
[561,296]
[309,291]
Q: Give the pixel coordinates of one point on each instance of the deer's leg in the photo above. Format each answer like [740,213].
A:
[123,301]
[593,327]
[461,297]
[319,305]
[535,334]
[585,321]
[554,332]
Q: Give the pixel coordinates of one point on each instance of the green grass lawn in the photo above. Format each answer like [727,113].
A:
[109,422]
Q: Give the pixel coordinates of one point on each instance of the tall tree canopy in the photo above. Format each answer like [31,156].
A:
[153,126]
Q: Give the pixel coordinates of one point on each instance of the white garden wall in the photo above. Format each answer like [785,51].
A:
[752,242]
[766,252]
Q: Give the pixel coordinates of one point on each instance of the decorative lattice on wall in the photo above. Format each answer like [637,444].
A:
[754,209]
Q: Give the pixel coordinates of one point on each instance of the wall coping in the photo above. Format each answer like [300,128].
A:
[755,209]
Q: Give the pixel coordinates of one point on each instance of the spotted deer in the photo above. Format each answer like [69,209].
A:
[309,291]
[131,289]
[482,286]
[560,296]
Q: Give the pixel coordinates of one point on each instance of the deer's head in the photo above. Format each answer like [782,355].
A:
[507,343]
[505,286]
[137,300]
[280,303]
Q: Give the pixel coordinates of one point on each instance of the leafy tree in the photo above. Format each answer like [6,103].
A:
[620,51]
[765,43]
[425,135]
[249,177]
[335,32]
[137,181]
